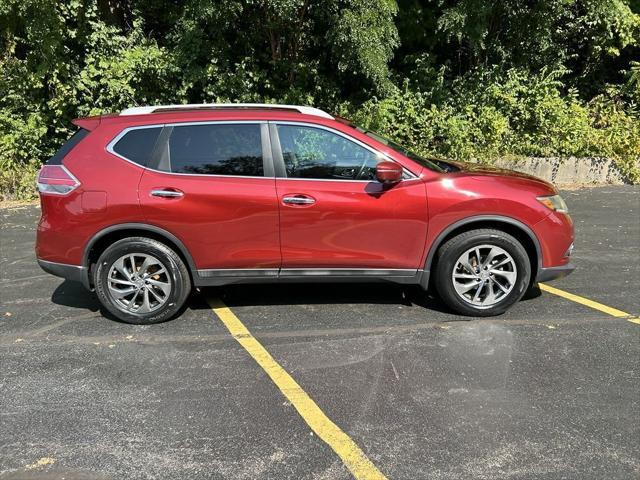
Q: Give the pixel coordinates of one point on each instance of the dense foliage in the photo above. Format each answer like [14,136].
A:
[468,79]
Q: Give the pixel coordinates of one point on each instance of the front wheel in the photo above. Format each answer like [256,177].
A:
[141,281]
[482,272]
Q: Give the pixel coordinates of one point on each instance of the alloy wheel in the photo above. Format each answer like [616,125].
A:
[139,283]
[484,275]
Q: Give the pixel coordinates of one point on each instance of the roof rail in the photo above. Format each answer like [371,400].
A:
[212,106]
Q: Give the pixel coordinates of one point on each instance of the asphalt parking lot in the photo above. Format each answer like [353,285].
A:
[550,390]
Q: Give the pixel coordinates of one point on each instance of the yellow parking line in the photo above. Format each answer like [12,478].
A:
[353,458]
[590,303]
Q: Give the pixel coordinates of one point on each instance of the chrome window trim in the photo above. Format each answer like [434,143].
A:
[111,144]
[404,180]
[115,140]
[348,138]
[213,122]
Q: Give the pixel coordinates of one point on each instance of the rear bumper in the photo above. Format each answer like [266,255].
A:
[74,273]
[553,273]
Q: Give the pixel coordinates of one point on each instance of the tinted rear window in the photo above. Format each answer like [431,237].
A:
[216,149]
[67,147]
[137,144]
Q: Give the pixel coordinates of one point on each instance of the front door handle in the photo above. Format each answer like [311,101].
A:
[166,193]
[298,200]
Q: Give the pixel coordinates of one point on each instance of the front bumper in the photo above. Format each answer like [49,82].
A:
[554,273]
[74,273]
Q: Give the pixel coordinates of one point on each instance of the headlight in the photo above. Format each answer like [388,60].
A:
[554,202]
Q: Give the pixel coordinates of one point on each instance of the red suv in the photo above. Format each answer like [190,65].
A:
[144,205]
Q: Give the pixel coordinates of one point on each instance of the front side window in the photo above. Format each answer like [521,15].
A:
[316,153]
[137,144]
[215,149]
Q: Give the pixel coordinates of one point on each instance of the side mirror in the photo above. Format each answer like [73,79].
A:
[388,172]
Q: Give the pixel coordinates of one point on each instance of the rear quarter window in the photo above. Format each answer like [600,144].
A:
[137,144]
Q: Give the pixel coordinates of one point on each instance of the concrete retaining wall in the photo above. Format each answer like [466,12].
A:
[571,170]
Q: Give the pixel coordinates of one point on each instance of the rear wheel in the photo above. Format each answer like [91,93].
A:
[141,281]
[482,272]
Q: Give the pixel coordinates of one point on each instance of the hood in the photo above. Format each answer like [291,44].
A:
[480,172]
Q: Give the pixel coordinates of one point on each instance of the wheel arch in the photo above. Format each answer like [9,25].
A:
[516,228]
[109,235]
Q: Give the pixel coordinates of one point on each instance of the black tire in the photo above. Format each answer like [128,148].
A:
[176,272]
[447,258]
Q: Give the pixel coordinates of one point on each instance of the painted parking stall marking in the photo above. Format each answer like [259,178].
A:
[351,455]
[614,312]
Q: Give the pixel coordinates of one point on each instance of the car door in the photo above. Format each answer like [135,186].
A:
[211,185]
[334,215]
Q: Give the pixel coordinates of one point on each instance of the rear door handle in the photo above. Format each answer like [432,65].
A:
[166,193]
[298,200]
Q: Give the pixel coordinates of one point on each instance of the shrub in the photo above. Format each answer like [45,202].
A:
[23,143]
[488,115]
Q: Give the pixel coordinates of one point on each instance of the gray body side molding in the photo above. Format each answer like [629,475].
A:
[222,277]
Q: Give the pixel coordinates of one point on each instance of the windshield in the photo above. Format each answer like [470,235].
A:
[430,164]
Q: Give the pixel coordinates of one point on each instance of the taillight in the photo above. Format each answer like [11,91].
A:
[56,179]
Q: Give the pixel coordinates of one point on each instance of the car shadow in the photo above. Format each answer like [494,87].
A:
[73,294]
[320,294]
